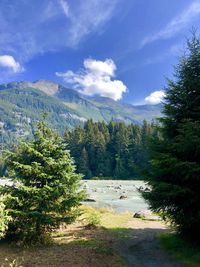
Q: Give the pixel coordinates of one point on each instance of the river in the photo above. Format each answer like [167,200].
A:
[107,193]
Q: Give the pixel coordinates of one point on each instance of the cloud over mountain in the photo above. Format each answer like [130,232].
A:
[155,97]
[96,79]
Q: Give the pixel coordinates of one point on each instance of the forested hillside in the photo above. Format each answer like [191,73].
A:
[113,150]
[21,108]
[22,104]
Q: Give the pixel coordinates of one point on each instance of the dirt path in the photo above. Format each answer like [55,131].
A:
[143,248]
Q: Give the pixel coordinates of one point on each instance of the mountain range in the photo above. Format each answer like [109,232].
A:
[23,103]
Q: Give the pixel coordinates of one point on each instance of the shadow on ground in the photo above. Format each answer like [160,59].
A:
[143,249]
[88,247]
[73,246]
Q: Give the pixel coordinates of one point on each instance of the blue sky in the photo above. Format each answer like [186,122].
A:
[123,49]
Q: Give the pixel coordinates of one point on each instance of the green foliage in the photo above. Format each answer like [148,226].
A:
[91,217]
[175,156]
[2,167]
[112,150]
[4,218]
[46,188]
[184,250]
[92,220]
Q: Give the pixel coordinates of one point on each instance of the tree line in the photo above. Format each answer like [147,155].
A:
[114,150]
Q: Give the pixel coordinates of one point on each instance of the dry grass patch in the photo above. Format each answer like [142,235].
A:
[74,245]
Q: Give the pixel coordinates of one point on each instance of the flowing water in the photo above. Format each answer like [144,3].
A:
[107,193]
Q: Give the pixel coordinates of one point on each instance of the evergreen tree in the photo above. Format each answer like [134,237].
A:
[2,167]
[121,155]
[115,150]
[46,187]
[175,156]
[136,151]
[84,164]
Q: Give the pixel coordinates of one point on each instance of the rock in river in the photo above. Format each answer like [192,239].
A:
[122,197]
[89,200]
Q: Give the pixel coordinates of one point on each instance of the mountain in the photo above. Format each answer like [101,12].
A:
[23,103]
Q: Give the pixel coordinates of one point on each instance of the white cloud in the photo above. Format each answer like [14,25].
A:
[91,16]
[155,97]
[65,7]
[96,79]
[9,62]
[176,24]
[28,29]
[106,67]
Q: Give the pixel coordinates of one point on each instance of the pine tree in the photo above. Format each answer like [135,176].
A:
[108,150]
[2,167]
[175,156]
[136,158]
[46,188]
[122,141]
[84,164]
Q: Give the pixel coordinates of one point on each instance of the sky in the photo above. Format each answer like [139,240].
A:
[122,49]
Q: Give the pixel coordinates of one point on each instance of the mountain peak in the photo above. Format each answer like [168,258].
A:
[48,87]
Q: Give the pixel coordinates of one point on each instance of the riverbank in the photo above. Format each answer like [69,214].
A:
[99,238]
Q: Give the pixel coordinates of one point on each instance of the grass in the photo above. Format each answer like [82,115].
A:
[91,242]
[74,245]
[114,220]
[183,250]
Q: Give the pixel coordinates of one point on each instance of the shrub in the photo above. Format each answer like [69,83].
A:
[91,217]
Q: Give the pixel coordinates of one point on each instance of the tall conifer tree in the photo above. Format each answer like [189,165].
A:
[175,156]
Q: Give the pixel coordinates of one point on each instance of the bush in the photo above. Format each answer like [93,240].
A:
[91,217]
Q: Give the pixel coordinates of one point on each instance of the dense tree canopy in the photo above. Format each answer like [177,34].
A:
[175,157]
[114,150]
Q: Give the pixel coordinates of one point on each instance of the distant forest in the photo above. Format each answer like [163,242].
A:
[107,151]
[115,150]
